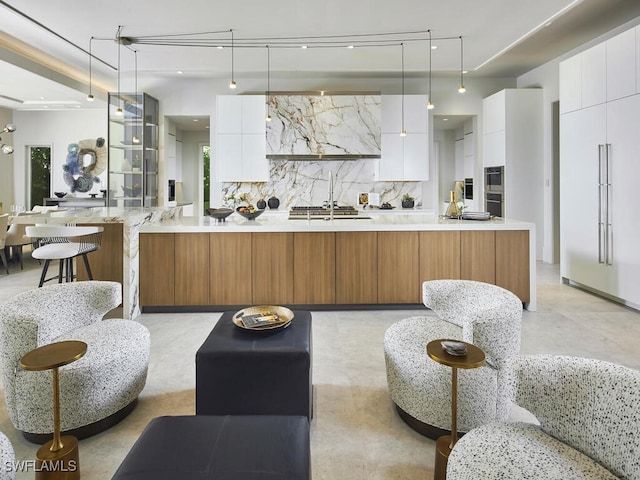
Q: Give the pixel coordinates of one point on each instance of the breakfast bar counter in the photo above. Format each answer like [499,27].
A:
[372,258]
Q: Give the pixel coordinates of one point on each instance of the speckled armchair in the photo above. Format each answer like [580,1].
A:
[96,391]
[589,419]
[7,470]
[485,315]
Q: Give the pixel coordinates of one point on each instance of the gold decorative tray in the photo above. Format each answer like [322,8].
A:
[263,318]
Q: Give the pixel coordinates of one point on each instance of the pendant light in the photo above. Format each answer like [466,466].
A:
[136,138]
[430,105]
[90,95]
[119,110]
[461,88]
[403,132]
[232,83]
[268,118]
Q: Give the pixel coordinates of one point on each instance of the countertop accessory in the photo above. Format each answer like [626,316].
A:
[248,214]
[219,214]
[457,349]
[263,318]
[476,215]
[59,194]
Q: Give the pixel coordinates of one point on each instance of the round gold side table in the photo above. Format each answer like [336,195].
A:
[58,458]
[474,358]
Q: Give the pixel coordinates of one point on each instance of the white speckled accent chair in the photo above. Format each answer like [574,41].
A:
[96,391]
[485,315]
[589,414]
[6,458]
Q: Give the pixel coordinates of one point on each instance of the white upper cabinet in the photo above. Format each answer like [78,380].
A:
[621,65]
[571,84]
[605,72]
[594,76]
[404,158]
[415,113]
[229,114]
[241,151]
[494,113]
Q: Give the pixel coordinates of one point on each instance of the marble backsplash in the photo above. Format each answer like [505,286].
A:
[306,182]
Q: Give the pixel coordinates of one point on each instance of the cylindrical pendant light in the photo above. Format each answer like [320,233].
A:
[461,88]
[430,104]
[232,83]
[403,132]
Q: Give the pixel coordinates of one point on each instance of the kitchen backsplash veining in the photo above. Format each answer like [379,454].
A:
[306,182]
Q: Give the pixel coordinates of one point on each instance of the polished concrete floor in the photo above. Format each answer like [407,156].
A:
[355,432]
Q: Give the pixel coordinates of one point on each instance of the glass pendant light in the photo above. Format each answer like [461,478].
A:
[119,110]
[232,83]
[268,118]
[403,132]
[90,95]
[461,88]
[136,138]
[430,105]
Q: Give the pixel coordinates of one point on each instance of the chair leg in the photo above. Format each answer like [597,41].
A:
[19,248]
[70,270]
[44,272]
[60,270]
[4,260]
[86,264]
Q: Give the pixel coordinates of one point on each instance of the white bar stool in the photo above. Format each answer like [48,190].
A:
[64,243]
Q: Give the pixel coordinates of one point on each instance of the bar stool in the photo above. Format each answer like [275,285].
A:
[64,243]
[17,238]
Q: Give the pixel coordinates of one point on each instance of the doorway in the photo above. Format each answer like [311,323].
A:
[40,174]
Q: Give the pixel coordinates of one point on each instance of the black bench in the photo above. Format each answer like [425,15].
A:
[255,373]
[227,447]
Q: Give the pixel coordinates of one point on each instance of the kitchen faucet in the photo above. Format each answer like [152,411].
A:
[330,195]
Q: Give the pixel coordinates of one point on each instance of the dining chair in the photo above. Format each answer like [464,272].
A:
[4,222]
[17,237]
[64,243]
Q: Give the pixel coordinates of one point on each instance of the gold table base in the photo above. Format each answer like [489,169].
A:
[61,464]
[443,449]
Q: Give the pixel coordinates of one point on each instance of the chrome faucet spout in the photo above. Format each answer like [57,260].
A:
[331,194]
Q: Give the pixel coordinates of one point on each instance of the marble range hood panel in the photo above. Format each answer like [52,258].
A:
[327,127]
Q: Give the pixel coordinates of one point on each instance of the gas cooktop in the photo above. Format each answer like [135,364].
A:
[320,210]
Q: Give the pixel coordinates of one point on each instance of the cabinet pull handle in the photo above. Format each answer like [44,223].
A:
[601,229]
[609,229]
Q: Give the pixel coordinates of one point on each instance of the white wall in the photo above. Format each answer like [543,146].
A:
[57,129]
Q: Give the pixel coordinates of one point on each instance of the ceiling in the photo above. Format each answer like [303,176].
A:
[44,59]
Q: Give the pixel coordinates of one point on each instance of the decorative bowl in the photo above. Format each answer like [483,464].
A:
[133,191]
[249,215]
[59,194]
[219,213]
[263,318]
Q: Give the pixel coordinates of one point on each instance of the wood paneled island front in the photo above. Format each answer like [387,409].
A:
[199,264]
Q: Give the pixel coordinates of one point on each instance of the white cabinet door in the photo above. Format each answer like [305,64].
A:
[594,76]
[621,65]
[415,113]
[571,84]
[391,163]
[255,166]
[494,149]
[623,136]
[416,157]
[494,113]
[469,154]
[228,114]
[254,113]
[228,156]
[581,133]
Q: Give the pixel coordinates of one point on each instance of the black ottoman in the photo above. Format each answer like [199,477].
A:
[255,373]
[220,448]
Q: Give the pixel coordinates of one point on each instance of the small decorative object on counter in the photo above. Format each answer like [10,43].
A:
[408,201]
[273,202]
[453,211]
[261,204]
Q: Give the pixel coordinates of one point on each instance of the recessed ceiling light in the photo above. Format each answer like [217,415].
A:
[180,72]
[465,71]
[195,119]
[220,47]
[350,46]
[41,98]
[303,47]
[434,47]
[445,119]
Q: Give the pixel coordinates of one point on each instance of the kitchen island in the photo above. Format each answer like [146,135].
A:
[376,258]
[117,258]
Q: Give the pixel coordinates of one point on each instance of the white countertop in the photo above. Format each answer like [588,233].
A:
[130,216]
[278,221]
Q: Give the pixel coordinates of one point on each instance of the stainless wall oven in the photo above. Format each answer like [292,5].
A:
[494,191]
